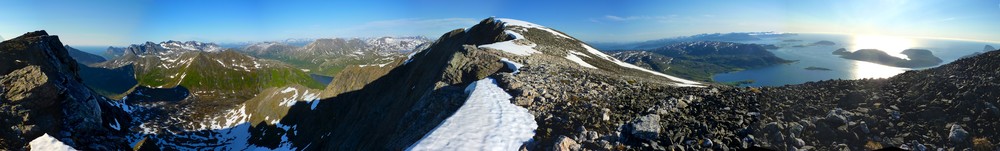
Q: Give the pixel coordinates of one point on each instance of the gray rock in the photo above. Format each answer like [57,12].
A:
[646,127]
[796,130]
[798,142]
[864,127]
[836,117]
[958,135]
[564,143]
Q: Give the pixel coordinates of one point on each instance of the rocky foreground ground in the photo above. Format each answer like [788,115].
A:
[951,107]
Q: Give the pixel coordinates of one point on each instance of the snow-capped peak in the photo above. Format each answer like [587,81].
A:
[191,46]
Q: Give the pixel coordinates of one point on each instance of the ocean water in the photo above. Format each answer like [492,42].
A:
[821,56]
[97,50]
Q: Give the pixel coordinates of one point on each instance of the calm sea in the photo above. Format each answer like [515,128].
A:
[821,56]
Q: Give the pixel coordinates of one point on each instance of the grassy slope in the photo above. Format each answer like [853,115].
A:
[205,74]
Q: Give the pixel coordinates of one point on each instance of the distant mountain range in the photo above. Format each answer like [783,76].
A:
[206,67]
[651,44]
[702,59]
[84,57]
[329,56]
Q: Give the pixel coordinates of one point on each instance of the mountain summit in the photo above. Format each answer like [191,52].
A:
[43,97]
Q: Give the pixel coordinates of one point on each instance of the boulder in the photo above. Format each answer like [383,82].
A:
[646,127]
[958,135]
[564,143]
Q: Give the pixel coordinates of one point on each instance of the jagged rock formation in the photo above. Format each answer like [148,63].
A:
[84,57]
[42,94]
[700,60]
[916,58]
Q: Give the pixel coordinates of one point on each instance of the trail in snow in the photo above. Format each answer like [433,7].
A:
[487,121]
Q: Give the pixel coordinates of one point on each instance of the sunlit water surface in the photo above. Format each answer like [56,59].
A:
[821,56]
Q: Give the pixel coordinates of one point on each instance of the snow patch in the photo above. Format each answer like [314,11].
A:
[48,143]
[220,62]
[313,104]
[305,97]
[116,126]
[379,65]
[572,57]
[511,47]
[487,121]
[289,89]
[513,66]
[508,21]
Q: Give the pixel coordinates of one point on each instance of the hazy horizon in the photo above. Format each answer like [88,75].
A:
[118,23]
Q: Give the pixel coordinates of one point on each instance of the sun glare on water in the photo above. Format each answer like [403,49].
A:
[890,45]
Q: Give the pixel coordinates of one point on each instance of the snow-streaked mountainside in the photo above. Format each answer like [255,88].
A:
[327,56]
[149,48]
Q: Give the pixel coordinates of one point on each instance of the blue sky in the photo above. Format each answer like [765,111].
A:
[107,22]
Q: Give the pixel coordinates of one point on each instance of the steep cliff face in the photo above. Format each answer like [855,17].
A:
[42,94]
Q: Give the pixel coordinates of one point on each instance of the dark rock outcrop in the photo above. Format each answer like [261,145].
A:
[42,93]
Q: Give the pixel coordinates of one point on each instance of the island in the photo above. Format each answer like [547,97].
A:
[824,43]
[918,58]
[817,68]
[769,46]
